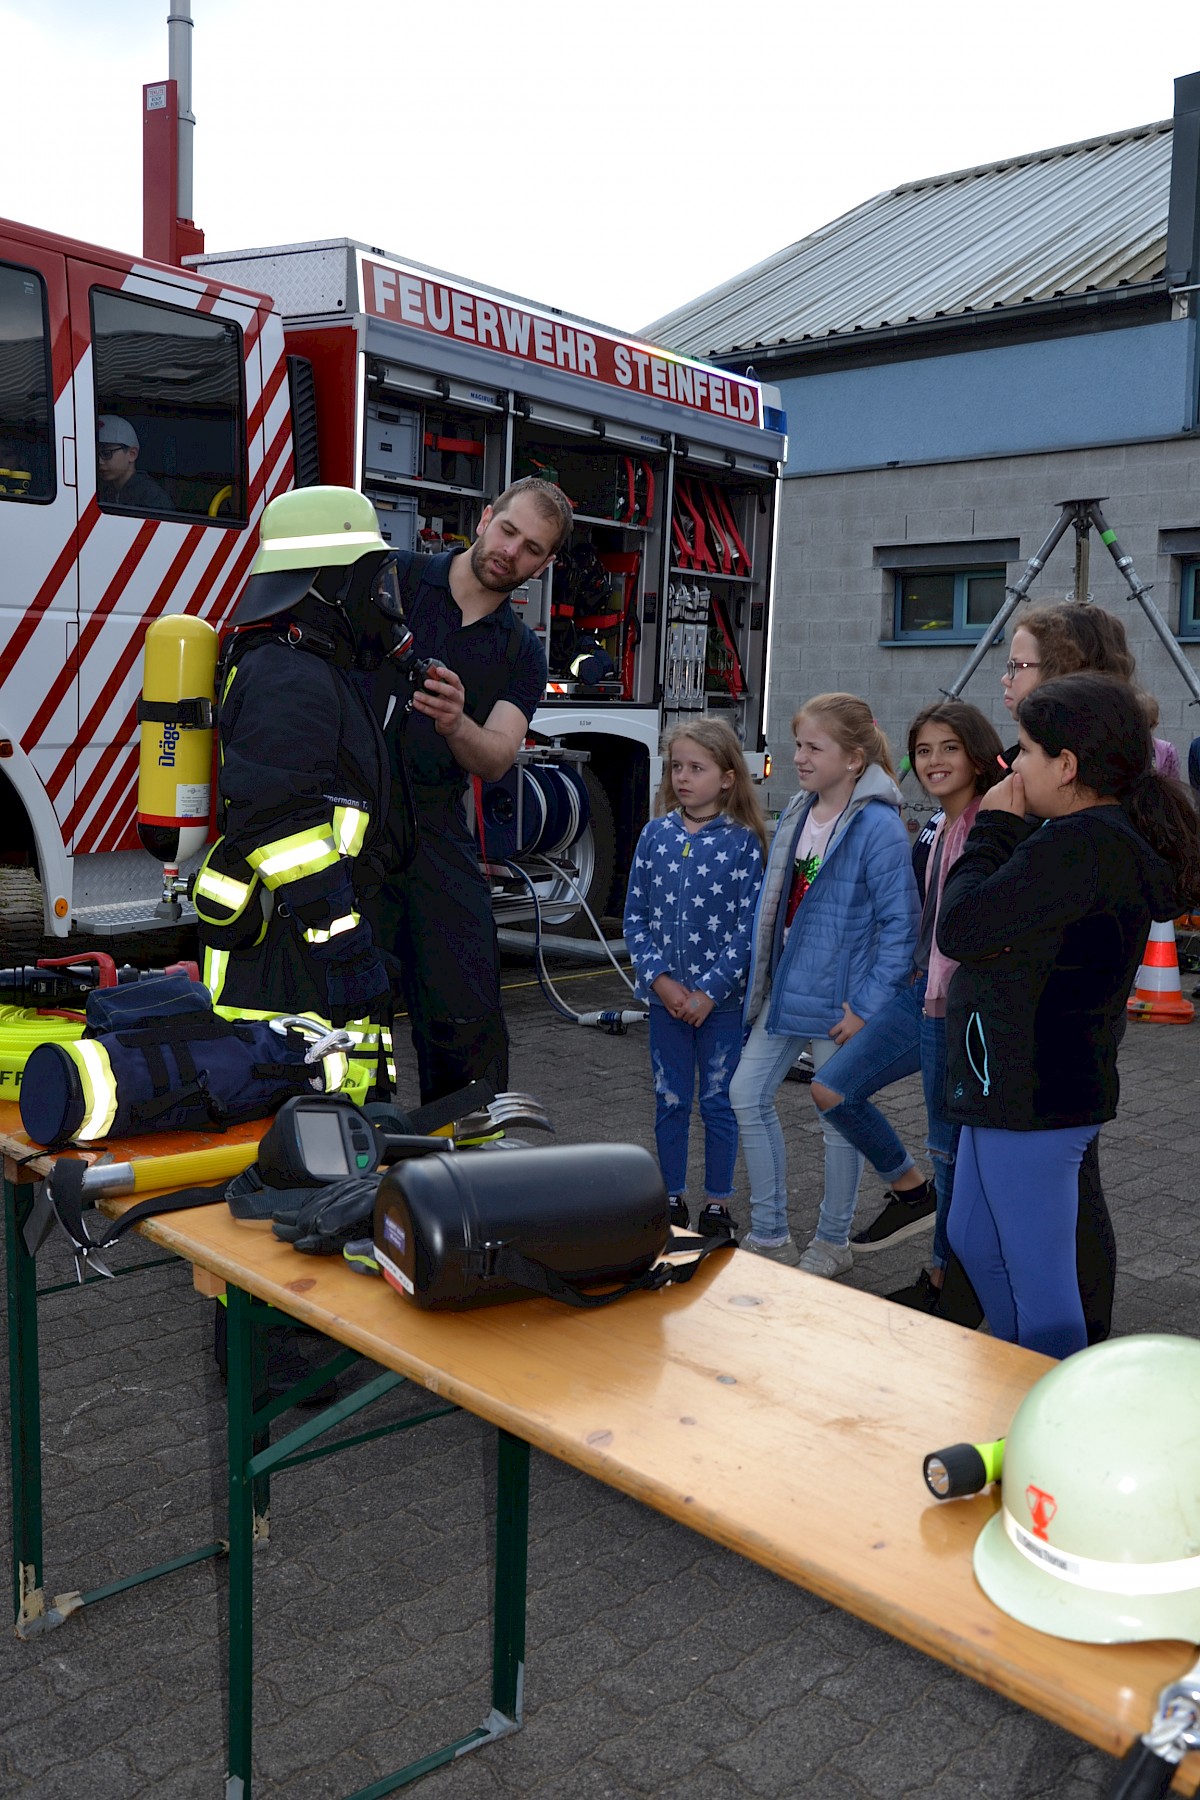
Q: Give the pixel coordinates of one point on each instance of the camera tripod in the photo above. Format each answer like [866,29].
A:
[1082,514]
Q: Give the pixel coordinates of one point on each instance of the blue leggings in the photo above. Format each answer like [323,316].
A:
[1012,1226]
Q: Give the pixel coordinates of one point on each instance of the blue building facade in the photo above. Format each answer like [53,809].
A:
[1008,399]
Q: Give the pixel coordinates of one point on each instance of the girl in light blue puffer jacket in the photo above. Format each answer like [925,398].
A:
[834,935]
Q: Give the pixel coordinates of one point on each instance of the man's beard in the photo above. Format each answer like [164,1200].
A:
[486,576]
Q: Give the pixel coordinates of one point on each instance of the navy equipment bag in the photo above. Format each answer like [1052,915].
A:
[171,1064]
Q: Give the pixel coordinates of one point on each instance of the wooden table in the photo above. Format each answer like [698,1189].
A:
[783,1416]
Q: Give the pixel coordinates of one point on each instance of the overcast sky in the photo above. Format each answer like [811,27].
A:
[614,160]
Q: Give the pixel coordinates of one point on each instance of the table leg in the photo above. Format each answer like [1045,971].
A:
[512,1557]
[248,1498]
[34,1610]
[248,1453]
[25,1410]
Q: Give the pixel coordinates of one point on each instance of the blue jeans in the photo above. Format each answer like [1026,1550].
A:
[885,1049]
[895,1042]
[765,1062]
[678,1054]
[1016,1202]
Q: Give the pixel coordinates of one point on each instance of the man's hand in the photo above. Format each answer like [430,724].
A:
[847,1025]
[1007,796]
[441,698]
[488,750]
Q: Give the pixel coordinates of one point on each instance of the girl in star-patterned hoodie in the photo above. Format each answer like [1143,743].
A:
[688,917]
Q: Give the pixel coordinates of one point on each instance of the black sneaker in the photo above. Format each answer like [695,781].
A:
[901,1217]
[922,1296]
[677,1212]
[716,1221]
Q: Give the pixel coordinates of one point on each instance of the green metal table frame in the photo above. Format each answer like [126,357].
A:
[252,1461]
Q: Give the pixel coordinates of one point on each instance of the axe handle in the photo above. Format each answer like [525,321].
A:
[151,1174]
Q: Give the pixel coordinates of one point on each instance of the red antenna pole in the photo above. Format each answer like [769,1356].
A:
[168,231]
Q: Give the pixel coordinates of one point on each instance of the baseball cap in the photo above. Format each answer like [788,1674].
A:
[110,429]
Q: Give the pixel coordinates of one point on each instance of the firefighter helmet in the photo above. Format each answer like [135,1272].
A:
[301,533]
[1098,1535]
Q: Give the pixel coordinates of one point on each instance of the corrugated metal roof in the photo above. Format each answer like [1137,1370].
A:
[1091,215]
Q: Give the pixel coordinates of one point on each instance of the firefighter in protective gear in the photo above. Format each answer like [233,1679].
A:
[1098,1535]
[303,784]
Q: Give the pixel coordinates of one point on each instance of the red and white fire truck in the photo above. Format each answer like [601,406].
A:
[429,394]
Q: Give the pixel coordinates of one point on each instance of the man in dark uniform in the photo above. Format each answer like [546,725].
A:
[469,718]
[119,481]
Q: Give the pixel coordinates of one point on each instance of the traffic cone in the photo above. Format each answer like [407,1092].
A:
[1157,994]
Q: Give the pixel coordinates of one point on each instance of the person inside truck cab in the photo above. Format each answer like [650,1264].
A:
[119,481]
[469,717]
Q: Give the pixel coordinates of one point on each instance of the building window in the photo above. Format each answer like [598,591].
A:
[946,603]
[1189,600]
[26,463]
[170,411]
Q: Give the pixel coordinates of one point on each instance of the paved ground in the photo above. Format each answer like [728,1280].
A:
[658,1665]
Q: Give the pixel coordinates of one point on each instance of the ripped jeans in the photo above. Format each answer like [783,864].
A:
[678,1054]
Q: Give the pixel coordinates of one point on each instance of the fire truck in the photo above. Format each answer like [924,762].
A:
[231,378]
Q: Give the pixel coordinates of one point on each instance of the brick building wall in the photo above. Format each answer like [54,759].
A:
[834,607]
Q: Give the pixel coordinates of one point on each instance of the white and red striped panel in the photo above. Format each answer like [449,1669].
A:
[72,678]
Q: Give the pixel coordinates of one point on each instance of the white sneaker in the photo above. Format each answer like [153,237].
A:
[827,1260]
[786,1252]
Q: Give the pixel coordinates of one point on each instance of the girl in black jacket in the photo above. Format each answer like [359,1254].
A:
[1049,923]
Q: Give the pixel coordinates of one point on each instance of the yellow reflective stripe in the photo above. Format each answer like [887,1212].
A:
[362,1033]
[216,967]
[346,923]
[350,828]
[307,853]
[266,1012]
[336,1067]
[228,681]
[99,1088]
[226,890]
[363,1059]
[365,1049]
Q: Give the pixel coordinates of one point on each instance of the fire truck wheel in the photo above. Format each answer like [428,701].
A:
[604,839]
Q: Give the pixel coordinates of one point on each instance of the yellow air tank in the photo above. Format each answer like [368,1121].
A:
[177,715]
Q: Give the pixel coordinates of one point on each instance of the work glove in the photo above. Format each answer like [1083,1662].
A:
[334,1215]
[356,981]
[356,986]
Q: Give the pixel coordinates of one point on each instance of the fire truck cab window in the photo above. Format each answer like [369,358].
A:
[26,461]
[170,411]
